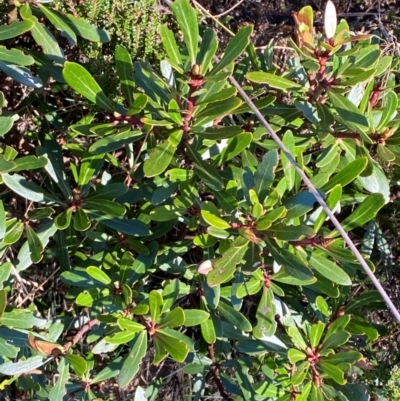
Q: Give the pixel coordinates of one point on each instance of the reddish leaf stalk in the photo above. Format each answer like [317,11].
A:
[78,336]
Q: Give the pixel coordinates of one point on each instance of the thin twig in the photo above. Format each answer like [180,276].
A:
[229,10]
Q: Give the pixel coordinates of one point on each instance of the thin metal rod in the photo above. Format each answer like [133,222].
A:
[319,199]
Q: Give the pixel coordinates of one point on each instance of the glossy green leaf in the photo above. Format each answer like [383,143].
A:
[348,112]
[272,80]
[159,159]
[59,390]
[266,324]
[211,215]
[205,171]
[98,275]
[187,20]
[234,317]
[131,364]
[155,303]
[332,202]
[215,110]
[328,269]
[22,75]
[208,331]
[335,340]
[172,319]
[45,39]
[347,174]
[234,49]
[219,132]
[2,220]
[296,355]
[82,82]
[15,29]
[63,220]
[125,226]
[333,372]
[106,206]
[114,142]
[35,245]
[365,212]
[77,362]
[171,48]
[84,28]
[124,66]
[60,22]
[15,56]
[173,344]
[316,332]
[264,176]
[225,267]
[28,189]
[195,317]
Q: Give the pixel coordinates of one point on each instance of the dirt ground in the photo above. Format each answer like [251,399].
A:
[272,19]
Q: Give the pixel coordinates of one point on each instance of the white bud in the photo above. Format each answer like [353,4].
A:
[330,20]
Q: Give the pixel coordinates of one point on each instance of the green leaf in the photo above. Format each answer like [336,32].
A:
[89,166]
[266,324]
[220,132]
[84,28]
[132,362]
[211,215]
[106,206]
[44,232]
[377,182]
[82,82]
[155,303]
[195,317]
[296,337]
[265,174]
[235,146]
[171,341]
[344,357]
[81,220]
[21,319]
[60,22]
[172,319]
[15,29]
[124,65]
[63,220]
[77,362]
[114,142]
[365,212]
[226,266]
[98,275]
[187,20]
[347,174]
[208,331]
[14,232]
[130,325]
[234,49]
[3,300]
[109,191]
[288,170]
[125,226]
[6,124]
[2,221]
[316,332]
[35,245]
[333,372]
[272,80]
[234,317]
[215,110]
[348,112]
[293,265]
[335,340]
[15,56]
[171,48]
[295,355]
[160,158]
[332,201]
[45,39]
[206,172]
[327,268]
[29,163]
[28,189]
[22,366]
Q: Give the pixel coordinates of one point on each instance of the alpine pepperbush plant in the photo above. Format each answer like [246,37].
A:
[172,228]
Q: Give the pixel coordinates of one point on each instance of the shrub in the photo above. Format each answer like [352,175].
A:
[174,228]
